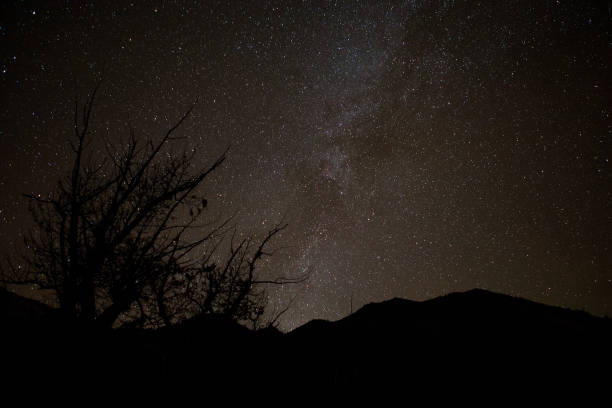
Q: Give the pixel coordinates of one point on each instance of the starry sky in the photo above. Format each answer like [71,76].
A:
[414,147]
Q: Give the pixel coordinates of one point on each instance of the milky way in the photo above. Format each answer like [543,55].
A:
[414,147]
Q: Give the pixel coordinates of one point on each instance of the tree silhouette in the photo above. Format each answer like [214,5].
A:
[119,241]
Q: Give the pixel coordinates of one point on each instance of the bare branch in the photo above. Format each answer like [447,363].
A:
[122,237]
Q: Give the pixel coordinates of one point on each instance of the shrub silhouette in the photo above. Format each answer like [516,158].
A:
[119,241]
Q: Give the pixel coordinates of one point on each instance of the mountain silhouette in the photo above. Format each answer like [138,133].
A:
[477,310]
[453,337]
[476,335]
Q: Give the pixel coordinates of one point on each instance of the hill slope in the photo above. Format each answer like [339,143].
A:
[452,337]
[462,337]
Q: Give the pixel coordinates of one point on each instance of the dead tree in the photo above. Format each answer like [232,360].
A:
[120,238]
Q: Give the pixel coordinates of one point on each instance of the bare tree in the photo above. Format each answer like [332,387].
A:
[120,239]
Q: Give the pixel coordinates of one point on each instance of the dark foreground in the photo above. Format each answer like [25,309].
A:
[474,339]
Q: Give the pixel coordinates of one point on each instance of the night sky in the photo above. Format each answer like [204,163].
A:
[414,147]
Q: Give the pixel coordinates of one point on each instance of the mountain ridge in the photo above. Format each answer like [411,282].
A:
[476,334]
[477,302]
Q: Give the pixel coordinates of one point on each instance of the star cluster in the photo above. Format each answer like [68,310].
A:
[414,147]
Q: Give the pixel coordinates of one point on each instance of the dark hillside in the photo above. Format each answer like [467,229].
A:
[461,337]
